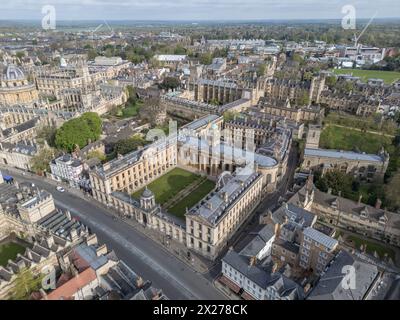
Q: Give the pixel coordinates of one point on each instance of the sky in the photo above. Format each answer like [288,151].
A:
[197,9]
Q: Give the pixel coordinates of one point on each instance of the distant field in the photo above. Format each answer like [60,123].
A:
[179,209]
[169,185]
[387,76]
[347,139]
[9,251]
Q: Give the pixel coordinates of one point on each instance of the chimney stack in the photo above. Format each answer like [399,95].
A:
[139,282]
[378,204]
[252,261]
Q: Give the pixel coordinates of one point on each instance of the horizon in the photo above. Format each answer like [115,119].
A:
[196,10]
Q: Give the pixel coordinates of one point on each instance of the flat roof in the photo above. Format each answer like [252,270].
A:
[350,155]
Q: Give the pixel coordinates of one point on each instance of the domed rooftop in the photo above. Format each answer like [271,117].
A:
[147,193]
[63,63]
[14,73]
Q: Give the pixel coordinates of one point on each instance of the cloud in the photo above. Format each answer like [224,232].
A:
[195,9]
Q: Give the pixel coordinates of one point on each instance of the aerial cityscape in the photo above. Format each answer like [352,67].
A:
[196,151]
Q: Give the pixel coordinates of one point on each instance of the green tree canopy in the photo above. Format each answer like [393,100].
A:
[128,145]
[331,81]
[304,99]
[79,131]
[24,284]
[335,180]
[170,83]
[206,58]
[41,161]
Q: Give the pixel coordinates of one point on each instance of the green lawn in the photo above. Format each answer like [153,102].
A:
[9,251]
[371,123]
[348,139]
[387,76]
[189,201]
[372,247]
[131,110]
[169,185]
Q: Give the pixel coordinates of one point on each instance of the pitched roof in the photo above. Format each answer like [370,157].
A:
[321,238]
[68,289]
[330,285]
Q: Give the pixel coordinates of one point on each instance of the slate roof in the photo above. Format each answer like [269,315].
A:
[320,238]
[330,286]
[350,155]
[263,277]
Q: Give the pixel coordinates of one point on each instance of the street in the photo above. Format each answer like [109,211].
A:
[144,256]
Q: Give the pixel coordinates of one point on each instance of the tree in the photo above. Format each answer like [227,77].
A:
[392,192]
[298,58]
[307,75]
[128,145]
[48,134]
[331,81]
[94,122]
[20,54]
[179,49]
[304,99]
[335,180]
[131,91]
[96,154]
[348,86]
[79,131]
[92,54]
[154,63]
[170,83]
[206,58]
[24,284]
[261,69]
[41,161]
[229,115]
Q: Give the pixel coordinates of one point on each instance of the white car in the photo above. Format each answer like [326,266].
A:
[60,189]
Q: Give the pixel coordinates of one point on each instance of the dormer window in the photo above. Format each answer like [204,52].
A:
[363,213]
[382,220]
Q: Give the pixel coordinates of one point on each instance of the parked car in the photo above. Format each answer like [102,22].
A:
[60,189]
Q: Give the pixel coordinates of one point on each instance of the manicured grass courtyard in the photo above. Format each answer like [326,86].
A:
[347,139]
[193,198]
[372,247]
[169,185]
[9,251]
[387,76]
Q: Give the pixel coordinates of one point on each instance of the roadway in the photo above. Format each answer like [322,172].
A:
[147,258]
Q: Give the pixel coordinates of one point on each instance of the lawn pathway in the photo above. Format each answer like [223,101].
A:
[185,192]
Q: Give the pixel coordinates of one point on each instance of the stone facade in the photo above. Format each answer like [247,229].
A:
[363,166]
[372,222]
[15,88]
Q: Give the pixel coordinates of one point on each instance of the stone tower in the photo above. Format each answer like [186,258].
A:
[317,86]
[147,200]
[313,136]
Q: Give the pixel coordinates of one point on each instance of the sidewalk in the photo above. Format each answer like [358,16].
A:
[226,291]
[179,250]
